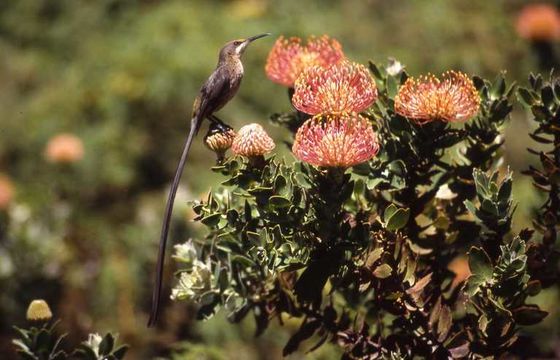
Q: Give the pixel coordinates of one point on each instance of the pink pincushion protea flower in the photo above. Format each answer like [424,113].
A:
[539,22]
[454,98]
[64,148]
[7,191]
[289,57]
[341,88]
[252,140]
[336,141]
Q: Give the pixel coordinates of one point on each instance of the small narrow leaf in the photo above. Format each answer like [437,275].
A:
[479,263]
[382,271]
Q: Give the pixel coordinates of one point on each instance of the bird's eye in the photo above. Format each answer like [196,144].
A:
[237,42]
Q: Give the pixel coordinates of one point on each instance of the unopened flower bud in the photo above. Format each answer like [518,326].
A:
[252,141]
[219,139]
[39,310]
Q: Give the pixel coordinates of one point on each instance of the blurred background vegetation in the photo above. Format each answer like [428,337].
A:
[94,99]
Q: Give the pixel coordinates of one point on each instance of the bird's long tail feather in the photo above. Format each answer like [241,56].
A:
[156,296]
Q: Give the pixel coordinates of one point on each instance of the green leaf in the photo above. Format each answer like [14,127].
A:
[529,315]
[445,321]
[382,271]
[389,211]
[85,352]
[211,220]
[398,219]
[533,287]
[375,70]
[547,96]
[280,185]
[397,167]
[26,355]
[478,82]
[120,352]
[470,206]
[223,280]
[480,264]
[242,260]
[247,212]
[392,86]
[373,257]
[499,87]
[106,344]
[279,202]
[526,97]
[232,215]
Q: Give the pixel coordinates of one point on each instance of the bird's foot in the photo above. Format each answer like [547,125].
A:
[219,124]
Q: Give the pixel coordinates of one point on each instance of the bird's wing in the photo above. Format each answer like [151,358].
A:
[212,93]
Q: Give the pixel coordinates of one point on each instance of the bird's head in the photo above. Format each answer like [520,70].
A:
[235,48]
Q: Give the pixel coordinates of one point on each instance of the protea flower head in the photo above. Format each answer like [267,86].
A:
[252,141]
[459,266]
[454,98]
[289,57]
[219,139]
[539,22]
[39,310]
[344,87]
[336,141]
[64,148]
[7,191]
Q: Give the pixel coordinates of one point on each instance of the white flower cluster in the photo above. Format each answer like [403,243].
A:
[185,253]
[192,284]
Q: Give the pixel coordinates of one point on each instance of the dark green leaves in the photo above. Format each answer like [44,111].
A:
[529,315]
[395,218]
[481,268]
[97,348]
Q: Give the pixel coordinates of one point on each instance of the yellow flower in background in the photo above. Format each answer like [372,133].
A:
[39,310]
[248,9]
[127,85]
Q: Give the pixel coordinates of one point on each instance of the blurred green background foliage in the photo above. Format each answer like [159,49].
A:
[121,76]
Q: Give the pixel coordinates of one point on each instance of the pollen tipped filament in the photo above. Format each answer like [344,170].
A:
[341,88]
[454,98]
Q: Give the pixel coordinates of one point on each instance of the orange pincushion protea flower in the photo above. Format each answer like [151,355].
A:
[340,88]
[336,141]
[7,191]
[453,98]
[460,266]
[64,148]
[539,22]
[288,57]
[252,140]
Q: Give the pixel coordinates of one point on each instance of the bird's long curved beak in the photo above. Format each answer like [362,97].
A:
[253,38]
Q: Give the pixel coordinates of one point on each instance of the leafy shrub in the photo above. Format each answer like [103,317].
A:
[391,243]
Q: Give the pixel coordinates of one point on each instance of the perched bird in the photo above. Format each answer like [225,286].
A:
[217,91]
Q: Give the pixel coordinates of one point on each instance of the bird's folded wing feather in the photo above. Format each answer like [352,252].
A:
[212,93]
